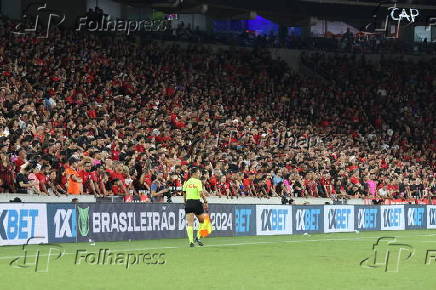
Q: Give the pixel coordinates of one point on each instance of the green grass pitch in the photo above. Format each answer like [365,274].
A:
[322,261]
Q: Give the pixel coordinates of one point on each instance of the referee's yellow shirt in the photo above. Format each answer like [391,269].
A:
[193,187]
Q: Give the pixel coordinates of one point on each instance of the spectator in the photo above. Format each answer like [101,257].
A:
[74,182]
[158,188]
[248,121]
[7,174]
[26,180]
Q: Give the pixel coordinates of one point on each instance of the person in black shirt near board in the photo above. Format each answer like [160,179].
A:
[24,184]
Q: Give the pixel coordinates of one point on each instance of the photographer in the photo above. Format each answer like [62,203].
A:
[159,188]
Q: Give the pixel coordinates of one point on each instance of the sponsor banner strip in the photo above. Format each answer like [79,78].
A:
[22,223]
[84,222]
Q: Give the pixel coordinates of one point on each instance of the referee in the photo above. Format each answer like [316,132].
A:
[193,191]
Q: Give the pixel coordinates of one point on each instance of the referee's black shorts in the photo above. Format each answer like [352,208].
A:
[194,206]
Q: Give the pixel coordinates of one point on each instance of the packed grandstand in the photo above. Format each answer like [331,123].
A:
[130,118]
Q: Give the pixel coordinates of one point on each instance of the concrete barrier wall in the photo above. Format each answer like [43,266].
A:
[7,197]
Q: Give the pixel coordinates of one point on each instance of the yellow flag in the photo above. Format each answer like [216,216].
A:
[206,227]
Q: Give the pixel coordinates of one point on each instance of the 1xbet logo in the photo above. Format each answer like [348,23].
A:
[415,217]
[242,218]
[65,223]
[18,224]
[367,218]
[37,257]
[51,18]
[274,219]
[387,255]
[307,219]
[340,219]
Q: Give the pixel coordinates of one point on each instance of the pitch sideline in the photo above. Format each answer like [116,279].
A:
[235,244]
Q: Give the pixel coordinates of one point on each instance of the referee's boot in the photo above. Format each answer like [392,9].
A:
[200,243]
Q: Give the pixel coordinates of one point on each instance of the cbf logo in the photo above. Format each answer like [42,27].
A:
[392,217]
[37,257]
[273,220]
[308,220]
[387,255]
[415,217]
[339,218]
[83,221]
[367,219]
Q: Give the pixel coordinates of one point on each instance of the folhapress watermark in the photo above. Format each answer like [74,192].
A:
[40,22]
[52,18]
[39,257]
[106,24]
[127,259]
[387,255]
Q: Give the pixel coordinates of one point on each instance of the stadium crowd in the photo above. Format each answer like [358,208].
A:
[88,114]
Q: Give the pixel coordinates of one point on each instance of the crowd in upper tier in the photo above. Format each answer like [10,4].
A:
[82,113]
[348,42]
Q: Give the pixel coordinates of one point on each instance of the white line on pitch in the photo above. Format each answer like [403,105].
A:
[241,244]
[216,245]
